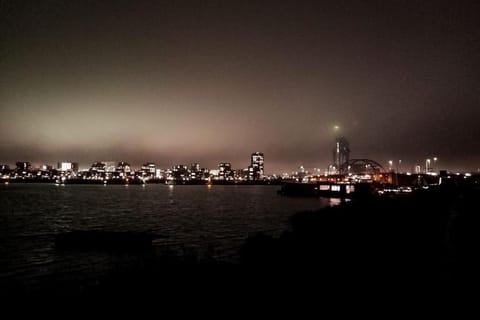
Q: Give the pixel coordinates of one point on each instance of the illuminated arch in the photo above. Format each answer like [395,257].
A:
[362,166]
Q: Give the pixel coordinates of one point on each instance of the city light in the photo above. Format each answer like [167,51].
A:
[342,169]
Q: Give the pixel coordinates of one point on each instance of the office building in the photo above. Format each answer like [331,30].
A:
[256,168]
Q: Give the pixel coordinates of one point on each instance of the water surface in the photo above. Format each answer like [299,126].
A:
[198,217]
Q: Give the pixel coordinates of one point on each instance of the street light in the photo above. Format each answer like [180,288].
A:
[427,166]
[390,163]
[435,163]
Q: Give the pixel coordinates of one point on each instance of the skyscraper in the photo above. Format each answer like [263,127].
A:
[341,154]
[255,171]
[225,171]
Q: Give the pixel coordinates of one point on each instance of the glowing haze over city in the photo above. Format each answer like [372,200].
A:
[213,81]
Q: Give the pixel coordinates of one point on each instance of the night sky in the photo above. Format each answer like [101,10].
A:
[177,82]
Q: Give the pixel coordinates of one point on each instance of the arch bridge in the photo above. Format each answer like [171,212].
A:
[362,166]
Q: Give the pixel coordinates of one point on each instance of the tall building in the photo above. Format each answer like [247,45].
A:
[148,170]
[225,171]
[195,172]
[123,168]
[23,168]
[67,166]
[195,167]
[301,173]
[180,172]
[256,168]
[341,154]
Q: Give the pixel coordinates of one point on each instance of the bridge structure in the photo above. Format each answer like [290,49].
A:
[363,166]
[367,170]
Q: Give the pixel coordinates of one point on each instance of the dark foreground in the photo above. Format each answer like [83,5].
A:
[429,238]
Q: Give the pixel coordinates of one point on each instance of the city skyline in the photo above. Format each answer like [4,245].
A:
[188,81]
[430,165]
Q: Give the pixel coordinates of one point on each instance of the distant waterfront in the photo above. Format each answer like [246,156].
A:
[216,218]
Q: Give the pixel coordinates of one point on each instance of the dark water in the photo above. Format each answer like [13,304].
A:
[196,217]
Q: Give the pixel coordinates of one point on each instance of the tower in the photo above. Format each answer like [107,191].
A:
[341,154]
[256,171]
